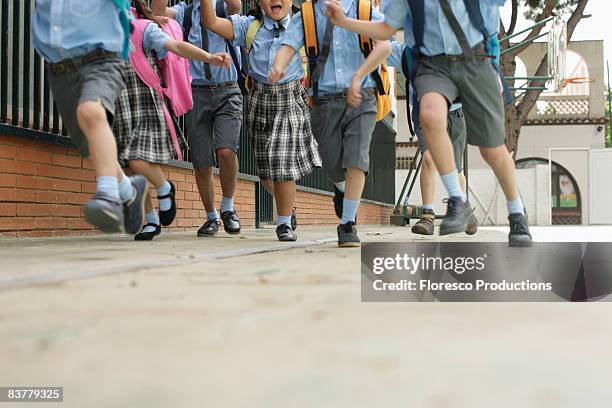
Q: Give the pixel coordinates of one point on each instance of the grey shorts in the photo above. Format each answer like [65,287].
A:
[213,123]
[457,132]
[344,133]
[99,80]
[477,84]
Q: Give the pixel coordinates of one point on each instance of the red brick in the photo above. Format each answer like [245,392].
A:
[17,167]
[36,234]
[51,197]
[183,204]
[176,176]
[36,156]
[66,161]
[8,152]
[184,186]
[49,223]
[34,210]
[87,164]
[16,223]
[8,209]
[32,182]
[76,198]
[67,210]
[8,194]
[88,187]
[78,224]
[25,196]
[66,185]
[7,180]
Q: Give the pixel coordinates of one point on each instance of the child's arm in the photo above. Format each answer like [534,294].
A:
[382,49]
[283,57]
[189,51]
[160,8]
[220,26]
[378,30]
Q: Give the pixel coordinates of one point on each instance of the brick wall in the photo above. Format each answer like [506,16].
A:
[43,188]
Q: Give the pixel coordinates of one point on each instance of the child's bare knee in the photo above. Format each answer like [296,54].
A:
[428,162]
[494,155]
[433,116]
[91,114]
[225,154]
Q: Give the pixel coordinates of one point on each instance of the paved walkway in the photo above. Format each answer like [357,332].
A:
[247,321]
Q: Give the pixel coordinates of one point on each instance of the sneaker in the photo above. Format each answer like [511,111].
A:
[425,226]
[285,233]
[519,231]
[472,226]
[104,212]
[338,202]
[231,222]
[293,220]
[347,236]
[210,228]
[457,215]
[133,210]
[148,235]
[167,217]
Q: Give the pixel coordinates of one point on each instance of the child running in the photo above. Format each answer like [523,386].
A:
[454,62]
[83,41]
[343,133]
[143,135]
[213,125]
[278,117]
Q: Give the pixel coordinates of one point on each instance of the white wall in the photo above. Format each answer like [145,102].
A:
[601,187]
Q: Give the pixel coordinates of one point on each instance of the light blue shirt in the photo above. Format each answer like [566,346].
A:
[395,60]
[66,29]
[216,44]
[439,37]
[155,39]
[345,56]
[265,46]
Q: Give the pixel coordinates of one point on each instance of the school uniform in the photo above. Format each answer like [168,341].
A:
[342,132]
[456,120]
[140,126]
[82,41]
[216,118]
[278,117]
[444,69]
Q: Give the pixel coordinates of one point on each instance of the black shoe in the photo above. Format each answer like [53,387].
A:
[347,235]
[231,222]
[457,215]
[285,233]
[148,236]
[104,212]
[210,228]
[293,220]
[167,217]
[133,210]
[472,226]
[338,202]
[519,231]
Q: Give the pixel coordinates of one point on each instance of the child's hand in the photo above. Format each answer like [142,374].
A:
[334,11]
[221,58]
[353,98]
[276,74]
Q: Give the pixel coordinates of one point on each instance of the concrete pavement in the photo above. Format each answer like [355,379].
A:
[246,321]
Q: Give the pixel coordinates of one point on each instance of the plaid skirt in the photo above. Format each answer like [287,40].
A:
[278,121]
[139,124]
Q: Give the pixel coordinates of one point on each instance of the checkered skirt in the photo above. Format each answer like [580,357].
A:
[139,123]
[278,121]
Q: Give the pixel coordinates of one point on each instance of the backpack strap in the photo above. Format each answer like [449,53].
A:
[311,44]
[364,13]
[406,59]
[187,22]
[417,7]
[252,32]
[125,17]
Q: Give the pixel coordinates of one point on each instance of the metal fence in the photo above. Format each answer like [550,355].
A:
[27,110]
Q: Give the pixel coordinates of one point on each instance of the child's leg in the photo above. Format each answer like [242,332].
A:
[502,165]
[284,195]
[154,174]
[428,180]
[355,180]
[206,187]
[228,174]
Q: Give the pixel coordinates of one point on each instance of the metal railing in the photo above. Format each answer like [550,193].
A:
[27,109]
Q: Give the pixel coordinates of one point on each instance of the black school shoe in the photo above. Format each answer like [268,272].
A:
[338,202]
[167,217]
[285,233]
[347,236]
[133,210]
[148,236]
[457,216]
[210,228]
[231,222]
[104,212]
[519,231]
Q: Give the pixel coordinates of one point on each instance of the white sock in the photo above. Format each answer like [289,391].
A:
[164,203]
[151,218]
[126,190]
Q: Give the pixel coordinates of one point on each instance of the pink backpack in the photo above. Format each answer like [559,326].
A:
[174,73]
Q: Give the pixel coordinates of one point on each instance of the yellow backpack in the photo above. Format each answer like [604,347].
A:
[250,37]
[380,76]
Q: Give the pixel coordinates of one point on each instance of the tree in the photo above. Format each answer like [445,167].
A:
[537,10]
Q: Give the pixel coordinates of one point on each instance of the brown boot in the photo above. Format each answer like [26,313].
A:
[472,226]
[425,226]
